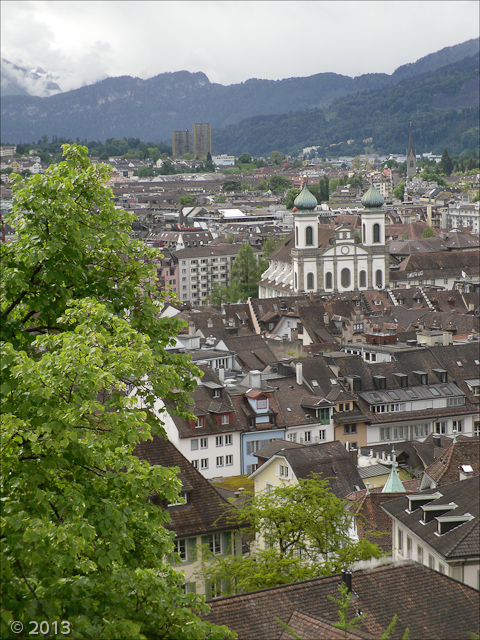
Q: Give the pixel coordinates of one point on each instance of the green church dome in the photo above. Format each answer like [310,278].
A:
[305,200]
[372,199]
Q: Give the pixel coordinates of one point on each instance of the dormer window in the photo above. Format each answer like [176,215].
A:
[200,422]
[182,499]
[262,403]
[217,393]
[447,523]
[226,418]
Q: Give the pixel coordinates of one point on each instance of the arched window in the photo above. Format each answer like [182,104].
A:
[310,281]
[309,236]
[364,234]
[376,233]
[379,278]
[296,283]
[345,277]
[363,279]
[328,280]
[296,236]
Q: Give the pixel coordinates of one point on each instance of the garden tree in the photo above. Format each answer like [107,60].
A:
[232,185]
[276,157]
[262,185]
[245,274]
[187,201]
[445,165]
[144,172]
[167,168]
[279,184]
[428,232]
[399,191]
[270,244]
[324,188]
[306,533]
[220,198]
[290,197]
[81,542]
[245,158]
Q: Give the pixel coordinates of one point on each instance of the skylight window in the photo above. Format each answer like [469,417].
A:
[459,364]
[411,393]
[433,391]
[314,383]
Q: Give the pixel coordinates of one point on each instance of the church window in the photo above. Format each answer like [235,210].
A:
[364,234]
[363,279]
[376,233]
[296,281]
[296,236]
[345,278]
[309,236]
[310,279]
[328,280]
[378,278]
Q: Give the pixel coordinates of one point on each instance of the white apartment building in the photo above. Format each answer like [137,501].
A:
[462,214]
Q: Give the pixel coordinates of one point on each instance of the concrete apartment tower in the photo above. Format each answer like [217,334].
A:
[180,143]
[202,140]
[411,157]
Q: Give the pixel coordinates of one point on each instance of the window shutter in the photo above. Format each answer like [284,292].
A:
[208,590]
[191,587]
[249,447]
[227,543]
[205,545]
[191,549]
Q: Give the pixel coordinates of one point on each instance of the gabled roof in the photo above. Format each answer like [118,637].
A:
[206,509]
[459,542]
[331,459]
[406,589]
[446,468]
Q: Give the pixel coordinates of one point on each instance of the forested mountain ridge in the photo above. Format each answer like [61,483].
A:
[151,109]
[443,107]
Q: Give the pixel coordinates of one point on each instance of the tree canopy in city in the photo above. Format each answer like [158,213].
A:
[300,531]
[81,541]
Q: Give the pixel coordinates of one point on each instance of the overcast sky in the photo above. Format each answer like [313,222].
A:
[82,42]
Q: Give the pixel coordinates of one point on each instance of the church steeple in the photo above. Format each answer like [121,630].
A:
[411,157]
[393,484]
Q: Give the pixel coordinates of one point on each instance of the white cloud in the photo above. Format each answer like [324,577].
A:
[230,41]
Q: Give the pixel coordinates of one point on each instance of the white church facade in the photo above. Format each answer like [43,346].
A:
[318,259]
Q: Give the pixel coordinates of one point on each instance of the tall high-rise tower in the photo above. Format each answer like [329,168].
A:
[411,157]
[202,140]
[180,143]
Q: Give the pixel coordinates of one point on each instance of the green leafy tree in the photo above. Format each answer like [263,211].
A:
[245,158]
[399,191]
[305,531]
[324,189]
[279,184]
[445,165]
[246,272]
[232,185]
[270,244]
[262,185]
[187,201]
[144,172]
[220,198]
[428,232]
[80,541]
[290,198]
[276,157]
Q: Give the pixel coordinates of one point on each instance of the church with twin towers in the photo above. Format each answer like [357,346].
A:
[318,259]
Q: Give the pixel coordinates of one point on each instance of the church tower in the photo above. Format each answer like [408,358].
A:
[411,157]
[373,237]
[306,241]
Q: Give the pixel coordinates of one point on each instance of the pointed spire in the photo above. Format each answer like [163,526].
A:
[411,148]
[393,484]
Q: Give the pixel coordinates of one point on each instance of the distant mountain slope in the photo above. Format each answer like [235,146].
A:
[443,107]
[17,80]
[151,109]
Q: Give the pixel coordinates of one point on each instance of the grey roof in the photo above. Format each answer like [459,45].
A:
[372,471]
[332,460]
[460,542]
[419,392]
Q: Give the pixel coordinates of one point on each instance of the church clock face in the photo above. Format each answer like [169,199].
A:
[345,250]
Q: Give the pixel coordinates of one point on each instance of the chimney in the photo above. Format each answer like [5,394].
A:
[437,441]
[255,379]
[221,374]
[326,318]
[299,372]
[347,579]
[191,328]
[209,323]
